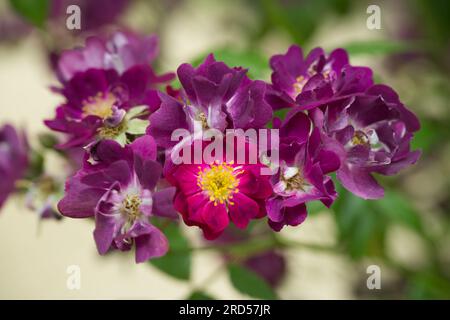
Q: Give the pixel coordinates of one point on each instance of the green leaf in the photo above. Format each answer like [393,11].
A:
[121,139]
[298,18]
[361,227]
[36,165]
[177,262]
[428,285]
[137,112]
[34,11]
[281,113]
[257,65]
[249,283]
[397,208]
[200,295]
[430,134]
[315,207]
[47,140]
[378,47]
[137,126]
[363,224]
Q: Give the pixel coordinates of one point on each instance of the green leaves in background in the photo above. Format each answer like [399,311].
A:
[247,282]
[430,134]
[199,295]
[281,113]
[34,11]
[360,229]
[257,64]
[36,165]
[177,262]
[315,207]
[396,208]
[362,224]
[428,285]
[298,18]
[434,22]
[48,140]
[378,47]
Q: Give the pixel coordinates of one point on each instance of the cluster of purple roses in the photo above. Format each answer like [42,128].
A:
[123,115]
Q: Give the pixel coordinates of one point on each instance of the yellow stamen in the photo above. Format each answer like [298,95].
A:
[204,121]
[299,84]
[293,179]
[220,182]
[297,182]
[112,132]
[326,74]
[130,207]
[100,105]
[360,138]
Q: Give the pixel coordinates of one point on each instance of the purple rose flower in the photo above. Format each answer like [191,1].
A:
[13,159]
[213,96]
[103,104]
[304,162]
[314,80]
[120,52]
[120,191]
[373,131]
[102,82]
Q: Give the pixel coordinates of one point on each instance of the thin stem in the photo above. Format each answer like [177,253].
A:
[255,246]
[291,244]
[208,280]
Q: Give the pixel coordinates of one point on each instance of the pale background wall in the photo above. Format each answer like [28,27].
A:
[34,258]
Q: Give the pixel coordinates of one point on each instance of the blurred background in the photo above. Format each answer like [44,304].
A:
[406,234]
